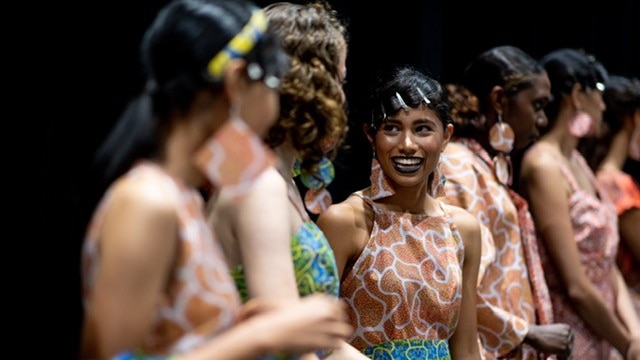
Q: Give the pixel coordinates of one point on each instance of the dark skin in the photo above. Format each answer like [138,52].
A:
[524,112]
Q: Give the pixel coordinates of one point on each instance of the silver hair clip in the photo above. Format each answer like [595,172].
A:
[426,101]
[254,71]
[402,103]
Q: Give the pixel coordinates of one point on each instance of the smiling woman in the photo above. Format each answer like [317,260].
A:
[389,237]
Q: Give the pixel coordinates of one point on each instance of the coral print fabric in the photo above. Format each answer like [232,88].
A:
[404,291]
[507,301]
[201,299]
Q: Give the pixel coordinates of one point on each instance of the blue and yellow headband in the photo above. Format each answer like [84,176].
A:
[240,44]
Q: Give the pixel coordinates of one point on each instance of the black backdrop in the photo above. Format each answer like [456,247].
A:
[101,40]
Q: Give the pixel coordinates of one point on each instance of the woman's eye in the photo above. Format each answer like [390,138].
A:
[389,127]
[423,129]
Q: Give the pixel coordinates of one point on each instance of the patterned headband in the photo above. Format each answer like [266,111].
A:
[240,44]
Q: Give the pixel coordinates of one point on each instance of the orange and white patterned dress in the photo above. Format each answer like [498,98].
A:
[404,291]
[509,300]
[201,299]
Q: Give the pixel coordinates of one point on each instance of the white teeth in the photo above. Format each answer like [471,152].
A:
[407,161]
[407,165]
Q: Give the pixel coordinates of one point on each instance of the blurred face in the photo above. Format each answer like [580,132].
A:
[260,106]
[525,111]
[408,145]
[592,103]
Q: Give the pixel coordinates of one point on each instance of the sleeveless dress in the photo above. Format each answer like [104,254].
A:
[512,290]
[314,264]
[404,292]
[595,228]
[200,300]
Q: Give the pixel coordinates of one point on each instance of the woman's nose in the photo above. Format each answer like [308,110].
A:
[407,143]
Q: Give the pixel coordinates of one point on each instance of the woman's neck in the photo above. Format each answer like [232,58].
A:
[560,137]
[286,159]
[414,200]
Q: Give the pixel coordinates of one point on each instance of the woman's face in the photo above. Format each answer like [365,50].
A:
[525,111]
[260,107]
[408,145]
[592,103]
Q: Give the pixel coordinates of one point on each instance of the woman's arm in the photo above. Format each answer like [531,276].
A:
[548,203]
[347,230]
[464,342]
[271,326]
[624,305]
[317,321]
[263,231]
[628,223]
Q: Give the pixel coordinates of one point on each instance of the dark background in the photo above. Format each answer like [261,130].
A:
[99,43]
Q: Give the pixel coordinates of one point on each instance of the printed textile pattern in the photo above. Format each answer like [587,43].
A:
[507,304]
[201,299]
[594,222]
[407,282]
[410,349]
[313,261]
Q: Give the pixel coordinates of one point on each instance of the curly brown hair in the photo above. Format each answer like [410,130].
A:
[465,110]
[312,102]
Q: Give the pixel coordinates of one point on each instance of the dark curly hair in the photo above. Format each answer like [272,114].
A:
[312,101]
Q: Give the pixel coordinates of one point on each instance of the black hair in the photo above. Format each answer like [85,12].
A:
[414,87]
[506,66]
[567,67]
[175,52]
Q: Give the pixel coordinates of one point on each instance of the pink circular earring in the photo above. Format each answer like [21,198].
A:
[501,138]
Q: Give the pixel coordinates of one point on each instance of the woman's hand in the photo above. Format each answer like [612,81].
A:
[552,338]
[318,321]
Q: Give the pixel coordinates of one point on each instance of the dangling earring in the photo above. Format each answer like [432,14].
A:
[317,198]
[581,124]
[234,156]
[501,138]
[436,185]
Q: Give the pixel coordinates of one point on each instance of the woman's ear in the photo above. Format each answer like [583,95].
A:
[496,96]
[368,131]
[576,89]
[234,79]
[448,132]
